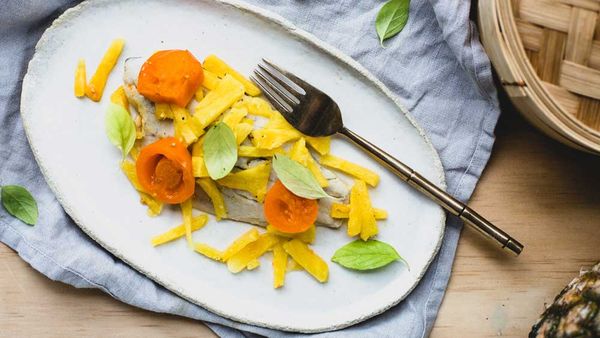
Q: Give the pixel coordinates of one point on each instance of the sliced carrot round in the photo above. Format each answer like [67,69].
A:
[170,76]
[164,170]
[287,212]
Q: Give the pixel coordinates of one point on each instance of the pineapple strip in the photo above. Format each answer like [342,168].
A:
[240,243]
[213,192]
[300,153]
[198,223]
[227,92]
[255,263]
[187,129]
[339,210]
[186,212]
[198,167]
[308,259]
[350,168]
[241,131]
[249,151]
[163,111]
[199,94]
[321,145]
[267,138]
[254,250]
[208,251]
[234,116]
[197,148]
[307,236]
[254,180]
[80,79]
[95,88]
[220,68]
[256,106]
[119,97]
[154,206]
[211,80]
[280,259]
[360,218]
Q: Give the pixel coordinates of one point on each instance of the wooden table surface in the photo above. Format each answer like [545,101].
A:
[545,194]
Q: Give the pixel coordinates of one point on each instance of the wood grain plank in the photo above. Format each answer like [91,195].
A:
[546,13]
[580,79]
[581,34]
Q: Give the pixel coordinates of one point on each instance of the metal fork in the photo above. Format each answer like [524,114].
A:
[314,113]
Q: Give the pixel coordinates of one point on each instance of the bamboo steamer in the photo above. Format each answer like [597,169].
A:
[547,55]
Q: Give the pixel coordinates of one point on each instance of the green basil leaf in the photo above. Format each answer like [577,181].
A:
[120,128]
[366,255]
[220,150]
[19,203]
[391,19]
[297,178]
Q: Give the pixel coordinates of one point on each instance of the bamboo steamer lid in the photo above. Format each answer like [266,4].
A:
[547,55]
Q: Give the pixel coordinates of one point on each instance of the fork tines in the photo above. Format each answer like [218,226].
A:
[278,85]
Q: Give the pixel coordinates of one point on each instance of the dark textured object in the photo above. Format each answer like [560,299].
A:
[575,311]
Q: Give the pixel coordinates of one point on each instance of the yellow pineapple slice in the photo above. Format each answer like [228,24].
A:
[198,223]
[308,259]
[254,250]
[228,91]
[80,79]
[350,168]
[154,206]
[280,259]
[320,144]
[186,213]
[208,251]
[199,94]
[187,129]
[163,111]
[339,210]
[95,87]
[240,243]
[273,138]
[256,106]
[360,218]
[307,236]
[255,263]
[220,68]
[198,167]
[213,192]
[250,151]
[254,180]
[119,97]
[211,80]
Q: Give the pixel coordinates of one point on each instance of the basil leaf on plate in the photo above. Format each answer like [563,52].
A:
[220,150]
[120,128]
[366,255]
[297,178]
[19,203]
[391,19]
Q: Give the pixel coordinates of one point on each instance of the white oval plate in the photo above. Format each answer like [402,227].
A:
[82,167]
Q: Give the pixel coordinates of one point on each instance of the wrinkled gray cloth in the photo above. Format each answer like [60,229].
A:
[436,66]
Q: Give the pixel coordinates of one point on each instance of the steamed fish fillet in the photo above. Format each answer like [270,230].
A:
[153,127]
[241,205]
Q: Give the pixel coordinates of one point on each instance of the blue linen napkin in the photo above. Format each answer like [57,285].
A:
[436,66]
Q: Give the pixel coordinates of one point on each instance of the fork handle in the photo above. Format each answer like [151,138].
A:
[439,196]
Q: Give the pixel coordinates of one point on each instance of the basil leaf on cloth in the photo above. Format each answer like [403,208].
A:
[19,203]
[391,19]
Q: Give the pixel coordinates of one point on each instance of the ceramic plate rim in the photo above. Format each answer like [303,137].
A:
[293,31]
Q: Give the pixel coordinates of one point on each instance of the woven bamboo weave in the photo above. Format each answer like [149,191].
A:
[547,54]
